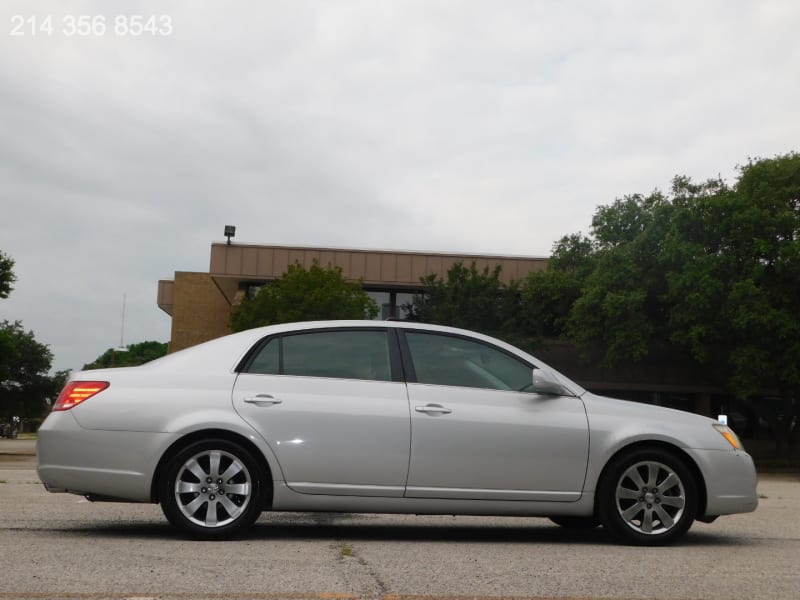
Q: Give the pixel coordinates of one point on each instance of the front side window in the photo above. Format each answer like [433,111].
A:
[341,354]
[455,361]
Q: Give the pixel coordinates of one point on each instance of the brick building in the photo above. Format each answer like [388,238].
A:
[200,304]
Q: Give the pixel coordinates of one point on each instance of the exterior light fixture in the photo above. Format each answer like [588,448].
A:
[230,231]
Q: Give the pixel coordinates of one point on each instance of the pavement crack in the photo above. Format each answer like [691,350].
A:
[383,589]
[363,578]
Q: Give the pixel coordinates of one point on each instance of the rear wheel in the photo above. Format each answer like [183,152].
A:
[212,489]
[647,497]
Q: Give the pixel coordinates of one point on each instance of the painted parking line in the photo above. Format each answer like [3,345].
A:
[268,596]
[178,595]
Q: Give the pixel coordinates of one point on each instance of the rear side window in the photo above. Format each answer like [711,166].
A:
[341,354]
[267,361]
[450,360]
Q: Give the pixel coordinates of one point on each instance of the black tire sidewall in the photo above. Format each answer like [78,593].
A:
[172,511]
[606,497]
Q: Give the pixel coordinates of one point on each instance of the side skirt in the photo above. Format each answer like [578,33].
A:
[287,500]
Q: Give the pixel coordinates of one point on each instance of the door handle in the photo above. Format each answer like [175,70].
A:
[262,400]
[433,409]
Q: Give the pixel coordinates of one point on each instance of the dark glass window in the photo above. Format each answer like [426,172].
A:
[340,354]
[450,360]
[267,361]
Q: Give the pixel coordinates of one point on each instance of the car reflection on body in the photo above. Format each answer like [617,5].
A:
[384,417]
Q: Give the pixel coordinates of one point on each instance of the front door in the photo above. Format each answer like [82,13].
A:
[476,434]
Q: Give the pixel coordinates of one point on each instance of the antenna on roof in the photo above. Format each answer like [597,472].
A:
[122,347]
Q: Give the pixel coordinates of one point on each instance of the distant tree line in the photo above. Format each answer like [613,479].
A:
[128,356]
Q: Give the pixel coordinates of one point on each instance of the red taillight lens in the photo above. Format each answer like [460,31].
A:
[76,392]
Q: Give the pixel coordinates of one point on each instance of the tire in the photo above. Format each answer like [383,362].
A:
[569,522]
[212,489]
[647,497]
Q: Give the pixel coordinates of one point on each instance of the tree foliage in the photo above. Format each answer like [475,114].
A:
[548,296]
[7,277]
[710,270]
[734,275]
[26,387]
[618,306]
[134,354]
[316,293]
[471,299]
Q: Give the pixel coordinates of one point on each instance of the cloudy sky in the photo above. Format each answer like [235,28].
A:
[490,126]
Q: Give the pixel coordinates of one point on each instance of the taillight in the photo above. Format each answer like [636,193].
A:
[76,392]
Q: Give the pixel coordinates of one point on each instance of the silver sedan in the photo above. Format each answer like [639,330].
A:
[384,417]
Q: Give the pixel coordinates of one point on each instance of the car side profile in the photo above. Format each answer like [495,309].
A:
[384,417]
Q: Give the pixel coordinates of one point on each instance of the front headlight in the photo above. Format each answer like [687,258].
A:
[729,435]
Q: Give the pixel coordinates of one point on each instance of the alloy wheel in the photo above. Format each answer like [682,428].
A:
[213,488]
[650,497]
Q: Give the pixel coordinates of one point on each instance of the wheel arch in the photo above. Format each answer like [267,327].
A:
[206,434]
[678,452]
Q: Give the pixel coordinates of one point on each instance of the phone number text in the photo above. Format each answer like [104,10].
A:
[91,25]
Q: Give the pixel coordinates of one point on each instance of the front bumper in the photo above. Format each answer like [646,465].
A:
[731,481]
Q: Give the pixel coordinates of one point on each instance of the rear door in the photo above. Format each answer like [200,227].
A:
[332,405]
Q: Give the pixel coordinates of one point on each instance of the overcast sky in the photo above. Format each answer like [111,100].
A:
[473,126]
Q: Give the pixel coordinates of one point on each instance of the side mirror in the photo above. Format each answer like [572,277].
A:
[544,384]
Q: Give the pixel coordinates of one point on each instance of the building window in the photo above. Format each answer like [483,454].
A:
[402,303]
[391,304]
[384,302]
[252,290]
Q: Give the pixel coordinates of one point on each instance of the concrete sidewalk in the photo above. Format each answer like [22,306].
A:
[17,454]
[17,446]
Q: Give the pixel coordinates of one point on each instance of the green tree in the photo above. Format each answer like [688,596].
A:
[619,305]
[316,293]
[134,354]
[7,277]
[734,282]
[548,296]
[26,388]
[470,299]
[711,270]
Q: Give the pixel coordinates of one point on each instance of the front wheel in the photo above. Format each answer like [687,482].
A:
[647,497]
[212,489]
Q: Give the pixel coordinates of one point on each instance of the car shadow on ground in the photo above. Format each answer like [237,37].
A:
[358,528]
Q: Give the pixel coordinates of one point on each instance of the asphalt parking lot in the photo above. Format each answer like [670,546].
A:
[61,546]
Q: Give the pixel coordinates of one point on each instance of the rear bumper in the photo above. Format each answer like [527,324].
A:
[81,461]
